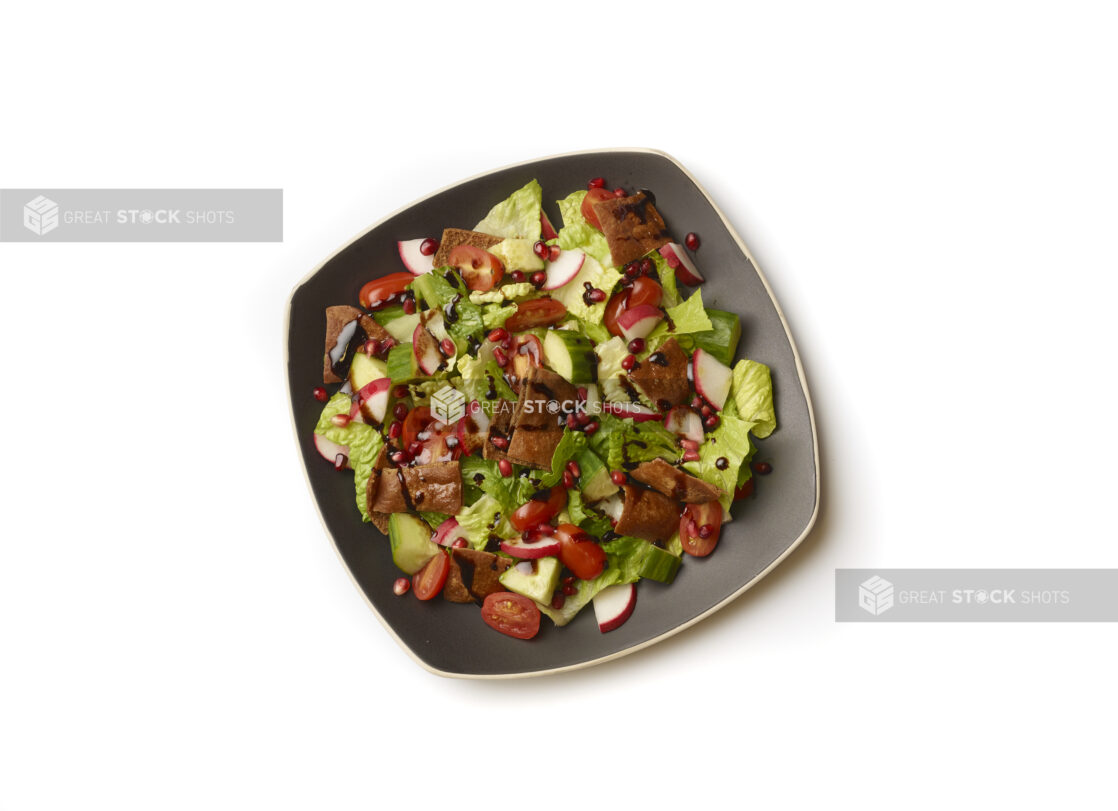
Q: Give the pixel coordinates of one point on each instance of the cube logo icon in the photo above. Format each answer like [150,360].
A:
[448,405]
[40,215]
[876,595]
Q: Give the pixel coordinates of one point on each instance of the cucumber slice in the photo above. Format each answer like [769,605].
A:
[594,479]
[721,341]
[401,364]
[364,370]
[411,542]
[539,585]
[659,565]
[399,324]
[571,356]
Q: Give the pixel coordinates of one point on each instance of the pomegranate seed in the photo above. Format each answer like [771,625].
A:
[448,347]
[569,589]
[506,344]
[553,253]
[501,358]
[395,429]
[568,477]
[706,411]
[401,586]
[400,392]
[541,249]
[384,346]
[618,477]
[505,466]
[706,530]
[414,448]
[428,247]
[583,418]
[320,394]
[697,402]
[568,580]
[712,421]
[400,457]
[497,335]
[691,240]
[690,456]
[619,192]
[538,278]
[636,346]
[400,411]
[558,600]
[764,468]
[340,420]
[582,393]
[371,347]
[596,183]
[459,543]
[499,442]
[596,295]
[592,428]
[647,267]
[409,306]
[340,461]
[632,269]
[628,362]
[689,444]
[544,530]
[516,276]
[574,468]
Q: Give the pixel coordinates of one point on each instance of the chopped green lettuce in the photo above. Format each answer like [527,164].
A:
[440,288]
[483,518]
[641,442]
[722,340]
[518,216]
[568,447]
[497,295]
[578,233]
[685,318]
[752,391]
[494,315]
[363,441]
[610,354]
[571,294]
[671,297]
[730,440]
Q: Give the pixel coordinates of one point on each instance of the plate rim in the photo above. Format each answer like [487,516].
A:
[648,642]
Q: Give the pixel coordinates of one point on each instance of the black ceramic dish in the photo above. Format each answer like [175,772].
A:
[451,639]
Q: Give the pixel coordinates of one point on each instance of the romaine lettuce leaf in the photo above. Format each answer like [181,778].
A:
[641,442]
[610,354]
[518,216]
[571,294]
[730,440]
[363,441]
[494,315]
[671,297]
[568,447]
[483,518]
[686,318]
[752,391]
[578,233]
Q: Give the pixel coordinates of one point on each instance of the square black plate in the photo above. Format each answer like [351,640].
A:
[451,639]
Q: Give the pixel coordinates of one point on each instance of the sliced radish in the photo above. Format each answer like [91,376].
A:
[639,321]
[632,411]
[614,604]
[330,450]
[612,506]
[542,547]
[413,258]
[712,378]
[547,230]
[372,400]
[426,349]
[448,532]
[678,260]
[563,269]
[685,422]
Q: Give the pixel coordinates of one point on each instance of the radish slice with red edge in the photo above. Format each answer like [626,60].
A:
[678,260]
[413,258]
[614,604]
[544,547]
[329,450]
[448,532]
[684,422]
[563,269]
[712,378]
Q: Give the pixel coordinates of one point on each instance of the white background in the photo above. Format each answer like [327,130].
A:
[931,193]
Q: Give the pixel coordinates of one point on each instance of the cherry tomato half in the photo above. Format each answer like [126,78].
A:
[480,269]
[512,614]
[379,291]
[614,308]
[539,312]
[429,580]
[645,291]
[541,508]
[579,552]
[594,196]
[431,435]
[691,523]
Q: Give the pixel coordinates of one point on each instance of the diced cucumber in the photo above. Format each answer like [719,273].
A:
[659,565]
[411,542]
[571,356]
[594,479]
[721,341]
[365,370]
[539,585]
[401,364]
[403,327]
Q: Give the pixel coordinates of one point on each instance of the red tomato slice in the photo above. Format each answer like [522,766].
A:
[431,435]
[614,308]
[541,508]
[645,291]
[694,518]
[429,580]
[512,614]
[579,552]
[382,291]
[480,269]
[593,196]
[540,312]
[416,421]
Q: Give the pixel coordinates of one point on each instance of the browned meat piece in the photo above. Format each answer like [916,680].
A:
[662,376]
[538,419]
[648,514]
[436,487]
[460,236]
[486,568]
[674,483]
[632,227]
[455,589]
[500,428]
[338,320]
